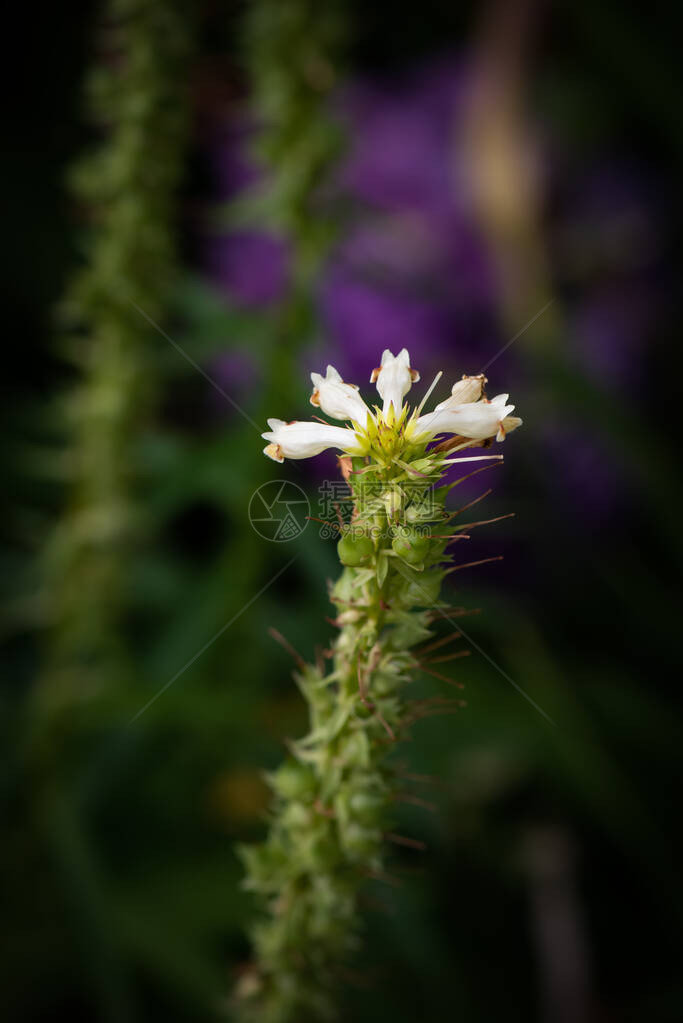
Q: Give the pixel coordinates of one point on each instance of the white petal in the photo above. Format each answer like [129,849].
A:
[305,439]
[394,379]
[477,420]
[337,399]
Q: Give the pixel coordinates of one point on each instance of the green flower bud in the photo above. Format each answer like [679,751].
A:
[294,780]
[410,545]
[354,748]
[414,513]
[355,550]
[385,682]
[392,501]
[296,816]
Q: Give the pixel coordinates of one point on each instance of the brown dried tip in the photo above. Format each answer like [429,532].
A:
[437,643]
[447,657]
[279,638]
[453,612]
[411,800]
[410,843]
[441,678]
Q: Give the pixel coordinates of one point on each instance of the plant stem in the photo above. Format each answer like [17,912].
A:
[334,795]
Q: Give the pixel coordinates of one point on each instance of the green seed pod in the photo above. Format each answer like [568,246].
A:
[294,780]
[355,550]
[410,545]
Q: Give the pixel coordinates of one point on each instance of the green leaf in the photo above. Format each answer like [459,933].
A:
[382,568]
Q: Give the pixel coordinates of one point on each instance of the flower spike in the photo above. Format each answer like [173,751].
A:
[333,797]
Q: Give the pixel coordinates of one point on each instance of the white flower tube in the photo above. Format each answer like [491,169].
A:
[394,379]
[305,439]
[337,399]
[477,420]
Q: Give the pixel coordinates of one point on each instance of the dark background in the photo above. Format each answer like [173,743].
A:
[551,887]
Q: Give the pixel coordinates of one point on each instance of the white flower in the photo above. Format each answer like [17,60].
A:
[465,390]
[394,379]
[302,440]
[465,414]
[337,399]
[477,420]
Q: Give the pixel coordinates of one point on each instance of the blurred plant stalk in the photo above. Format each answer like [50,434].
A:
[291,54]
[293,50]
[127,189]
